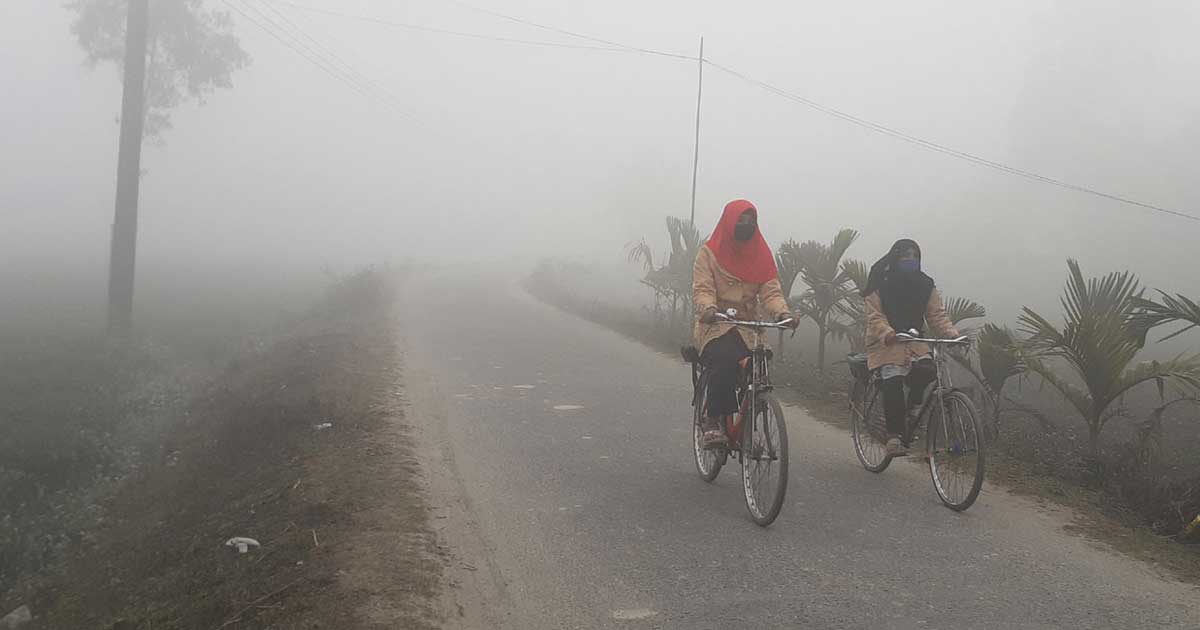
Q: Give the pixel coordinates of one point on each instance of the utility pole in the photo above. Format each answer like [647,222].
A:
[123,253]
[696,159]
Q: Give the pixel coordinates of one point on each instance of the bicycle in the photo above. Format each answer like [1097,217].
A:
[757,433]
[954,442]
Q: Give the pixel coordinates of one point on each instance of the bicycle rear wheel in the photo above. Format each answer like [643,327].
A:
[956,450]
[708,461]
[866,420]
[765,460]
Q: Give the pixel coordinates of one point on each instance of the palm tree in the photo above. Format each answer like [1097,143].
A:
[999,361]
[685,245]
[672,281]
[855,308]
[787,261]
[1098,341]
[829,286]
[1173,308]
[641,252]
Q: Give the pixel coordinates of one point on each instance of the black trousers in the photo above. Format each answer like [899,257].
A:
[720,359]
[895,407]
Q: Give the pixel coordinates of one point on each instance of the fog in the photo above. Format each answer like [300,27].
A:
[512,152]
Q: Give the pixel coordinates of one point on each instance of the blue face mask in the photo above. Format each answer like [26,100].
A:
[908,266]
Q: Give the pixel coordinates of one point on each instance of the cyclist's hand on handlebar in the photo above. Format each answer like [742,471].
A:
[789,320]
[709,315]
[890,339]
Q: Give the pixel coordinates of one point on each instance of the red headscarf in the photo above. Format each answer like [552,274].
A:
[750,261]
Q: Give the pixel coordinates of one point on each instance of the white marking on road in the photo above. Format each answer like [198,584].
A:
[587,437]
[523,386]
[567,407]
[633,614]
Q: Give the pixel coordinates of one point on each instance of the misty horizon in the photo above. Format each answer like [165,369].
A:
[511,152]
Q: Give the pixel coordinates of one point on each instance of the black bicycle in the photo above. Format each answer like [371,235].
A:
[954,441]
[757,433]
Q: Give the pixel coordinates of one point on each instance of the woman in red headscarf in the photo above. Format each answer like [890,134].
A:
[735,269]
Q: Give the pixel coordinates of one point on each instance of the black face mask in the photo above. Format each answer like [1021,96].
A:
[744,231]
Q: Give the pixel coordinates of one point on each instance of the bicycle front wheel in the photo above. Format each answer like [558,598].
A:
[867,426]
[708,460]
[956,450]
[765,460]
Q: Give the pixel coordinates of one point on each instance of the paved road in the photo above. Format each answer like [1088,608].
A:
[558,457]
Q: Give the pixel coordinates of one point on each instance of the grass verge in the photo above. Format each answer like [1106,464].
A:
[299,445]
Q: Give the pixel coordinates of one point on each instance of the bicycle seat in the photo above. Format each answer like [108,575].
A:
[690,354]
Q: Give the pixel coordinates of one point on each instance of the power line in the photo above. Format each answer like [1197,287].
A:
[360,77]
[307,53]
[940,148]
[610,45]
[329,54]
[442,31]
[933,146]
[304,51]
[562,31]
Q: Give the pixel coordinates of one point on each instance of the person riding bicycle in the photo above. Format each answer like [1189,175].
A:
[900,297]
[735,269]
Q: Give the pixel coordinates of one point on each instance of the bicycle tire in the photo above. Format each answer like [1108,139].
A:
[940,434]
[768,413]
[871,454]
[708,461]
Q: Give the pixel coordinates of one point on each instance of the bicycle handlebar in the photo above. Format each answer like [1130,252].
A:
[725,319]
[909,338]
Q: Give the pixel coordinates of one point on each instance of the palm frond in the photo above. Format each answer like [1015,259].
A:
[857,272]
[842,242]
[962,309]
[640,252]
[1077,397]
[999,359]
[1173,308]
[1099,341]
[787,260]
[1183,371]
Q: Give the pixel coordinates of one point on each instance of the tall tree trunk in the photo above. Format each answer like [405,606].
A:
[123,252]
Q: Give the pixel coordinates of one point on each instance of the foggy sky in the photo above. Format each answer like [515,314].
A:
[519,152]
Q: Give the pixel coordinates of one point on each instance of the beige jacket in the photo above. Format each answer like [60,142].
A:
[903,354]
[713,286]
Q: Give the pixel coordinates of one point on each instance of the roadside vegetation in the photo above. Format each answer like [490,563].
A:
[1067,396]
[124,471]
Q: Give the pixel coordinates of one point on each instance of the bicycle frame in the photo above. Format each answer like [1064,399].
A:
[943,383]
[758,377]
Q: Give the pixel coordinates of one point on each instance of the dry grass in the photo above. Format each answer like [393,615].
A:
[248,460]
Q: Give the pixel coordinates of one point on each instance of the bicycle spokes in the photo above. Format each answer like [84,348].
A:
[956,451]
[764,460]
